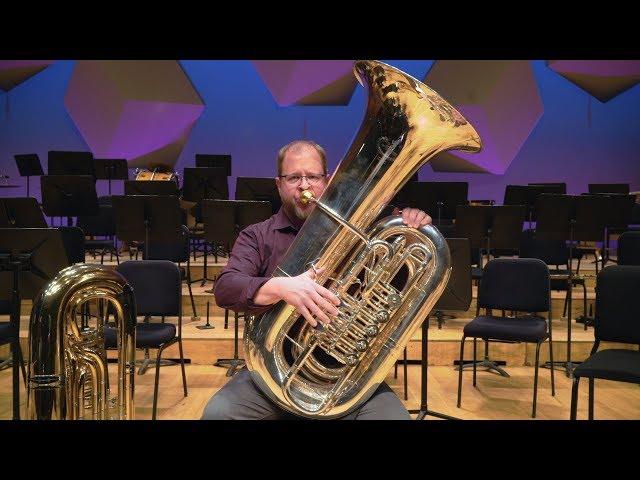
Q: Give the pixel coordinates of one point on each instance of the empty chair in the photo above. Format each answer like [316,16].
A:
[520,285]
[617,319]
[157,287]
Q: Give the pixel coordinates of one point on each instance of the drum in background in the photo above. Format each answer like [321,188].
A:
[145,175]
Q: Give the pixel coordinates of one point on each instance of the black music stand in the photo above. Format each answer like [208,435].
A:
[111,169]
[70,163]
[204,182]
[260,189]
[28,166]
[146,218]
[551,187]
[609,188]
[246,213]
[557,221]
[150,187]
[456,296]
[69,196]
[21,212]
[215,161]
[29,258]
[439,199]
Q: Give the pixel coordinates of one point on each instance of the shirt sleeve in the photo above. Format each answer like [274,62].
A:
[241,278]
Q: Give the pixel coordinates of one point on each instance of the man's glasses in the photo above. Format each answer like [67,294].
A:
[295,179]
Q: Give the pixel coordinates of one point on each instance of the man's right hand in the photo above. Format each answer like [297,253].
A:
[302,293]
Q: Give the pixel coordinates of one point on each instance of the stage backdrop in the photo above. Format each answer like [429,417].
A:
[541,121]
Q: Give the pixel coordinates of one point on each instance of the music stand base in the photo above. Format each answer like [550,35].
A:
[232,364]
[566,366]
[488,365]
[147,362]
[6,363]
[423,412]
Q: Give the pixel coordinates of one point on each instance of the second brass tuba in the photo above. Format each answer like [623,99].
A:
[387,275]
[68,378]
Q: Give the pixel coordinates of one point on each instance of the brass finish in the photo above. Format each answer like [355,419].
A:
[68,378]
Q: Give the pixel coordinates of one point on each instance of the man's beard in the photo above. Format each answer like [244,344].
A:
[293,209]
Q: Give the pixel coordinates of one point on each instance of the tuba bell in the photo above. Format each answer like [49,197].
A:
[387,275]
[68,377]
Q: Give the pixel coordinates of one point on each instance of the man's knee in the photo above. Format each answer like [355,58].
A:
[218,408]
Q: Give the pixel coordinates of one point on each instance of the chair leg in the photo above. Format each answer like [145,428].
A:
[584,304]
[535,380]
[574,397]
[474,360]
[395,370]
[553,384]
[566,300]
[21,360]
[460,371]
[184,375]
[406,397]
[226,325]
[155,387]
[193,305]
[591,392]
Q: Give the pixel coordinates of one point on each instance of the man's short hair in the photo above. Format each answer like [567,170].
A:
[299,145]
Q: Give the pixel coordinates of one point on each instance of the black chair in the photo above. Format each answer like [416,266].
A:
[554,252]
[629,248]
[7,336]
[617,320]
[157,287]
[520,285]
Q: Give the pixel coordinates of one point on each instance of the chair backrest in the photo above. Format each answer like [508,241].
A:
[629,248]
[156,285]
[617,317]
[520,284]
[73,241]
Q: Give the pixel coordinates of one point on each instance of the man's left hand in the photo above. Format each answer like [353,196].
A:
[414,217]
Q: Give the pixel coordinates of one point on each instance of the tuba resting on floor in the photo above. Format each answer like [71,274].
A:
[387,275]
[68,378]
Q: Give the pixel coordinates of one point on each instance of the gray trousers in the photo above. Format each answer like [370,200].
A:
[240,399]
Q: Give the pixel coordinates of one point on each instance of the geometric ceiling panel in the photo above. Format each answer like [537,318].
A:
[141,110]
[499,98]
[308,82]
[14,72]
[603,79]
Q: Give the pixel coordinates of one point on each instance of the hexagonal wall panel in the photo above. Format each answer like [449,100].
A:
[139,110]
[499,98]
[308,82]
[14,72]
[603,79]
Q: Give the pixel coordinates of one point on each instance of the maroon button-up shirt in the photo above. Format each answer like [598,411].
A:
[255,255]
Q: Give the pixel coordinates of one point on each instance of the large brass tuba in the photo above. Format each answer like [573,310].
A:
[388,276]
[68,377]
